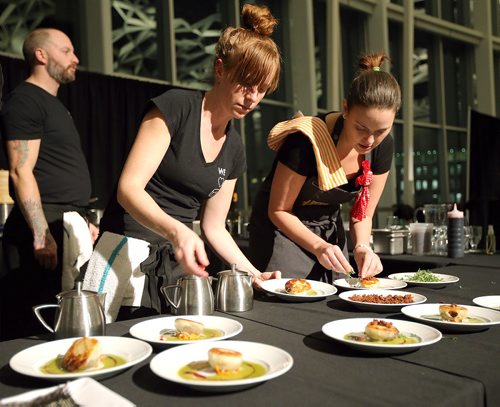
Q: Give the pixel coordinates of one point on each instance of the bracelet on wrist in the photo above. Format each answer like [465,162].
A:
[366,246]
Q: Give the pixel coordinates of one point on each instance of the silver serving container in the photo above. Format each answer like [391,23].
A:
[390,241]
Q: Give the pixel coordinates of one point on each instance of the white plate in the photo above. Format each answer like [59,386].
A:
[338,329]
[277,288]
[423,311]
[488,301]
[150,330]
[445,279]
[371,306]
[30,360]
[168,363]
[384,283]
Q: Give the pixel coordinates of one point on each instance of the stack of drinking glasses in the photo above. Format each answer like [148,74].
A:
[437,215]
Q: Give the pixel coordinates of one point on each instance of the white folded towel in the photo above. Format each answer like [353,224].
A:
[82,392]
[114,268]
[77,247]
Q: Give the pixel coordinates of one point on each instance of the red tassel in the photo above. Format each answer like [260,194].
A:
[358,211]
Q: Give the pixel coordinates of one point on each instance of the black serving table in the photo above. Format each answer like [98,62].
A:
[460,370]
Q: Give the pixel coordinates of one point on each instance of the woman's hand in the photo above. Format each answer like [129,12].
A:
[190,251]
[332,258]
[268,275]
[367,260]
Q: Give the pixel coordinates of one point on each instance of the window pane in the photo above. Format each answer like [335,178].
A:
[134,37]
[456,11]
[426,168]
[320,44]
[426,6]
[495,16]
[424,84]
[456,83]
[18,18]
[396,53]
[259,156]
[457,165]
[353,44]
[198,25]
[497,81]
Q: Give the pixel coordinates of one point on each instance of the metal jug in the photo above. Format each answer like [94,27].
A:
[234,290]
[79,313]
[193,295]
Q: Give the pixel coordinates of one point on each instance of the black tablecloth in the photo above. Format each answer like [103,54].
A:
[461,369]
[409,262]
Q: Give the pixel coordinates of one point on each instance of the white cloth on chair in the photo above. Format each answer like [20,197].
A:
[114,268]
[77,247]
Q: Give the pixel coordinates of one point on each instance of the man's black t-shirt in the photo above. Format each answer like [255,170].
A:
[61,171]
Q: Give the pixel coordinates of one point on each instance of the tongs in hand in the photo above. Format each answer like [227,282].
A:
[351,280]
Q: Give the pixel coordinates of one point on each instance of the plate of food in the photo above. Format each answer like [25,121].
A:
[388,336]
[297,289]
[66,359]
[233,365]
[381,300]
[488,301]
[424,278]
[453,317]
[371,283]
[179,330]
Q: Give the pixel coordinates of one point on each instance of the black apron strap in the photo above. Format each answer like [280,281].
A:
[160,269]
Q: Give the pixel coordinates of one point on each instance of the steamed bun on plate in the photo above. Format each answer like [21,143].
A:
[453,312]
[224,361]
[297,286]
[370,282]
[188,326]
[381,330]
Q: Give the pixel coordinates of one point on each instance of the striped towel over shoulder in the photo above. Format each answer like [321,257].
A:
[330,171]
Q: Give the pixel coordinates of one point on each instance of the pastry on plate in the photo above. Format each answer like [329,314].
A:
[381,330]
[370,282]
[188,326]
[297,286]
[84,353]
[224,361]
[453,312]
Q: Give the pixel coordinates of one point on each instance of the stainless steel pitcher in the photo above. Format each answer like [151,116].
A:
[79,313]
[192,295]
[234,291]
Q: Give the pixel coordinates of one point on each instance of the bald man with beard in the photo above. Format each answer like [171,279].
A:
[48,175]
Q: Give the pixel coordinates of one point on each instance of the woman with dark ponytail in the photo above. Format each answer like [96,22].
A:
[321,163]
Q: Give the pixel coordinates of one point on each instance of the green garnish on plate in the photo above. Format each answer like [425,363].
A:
[425,276]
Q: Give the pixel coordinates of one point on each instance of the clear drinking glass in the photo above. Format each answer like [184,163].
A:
[476,234]
[467,234]
[392,223]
